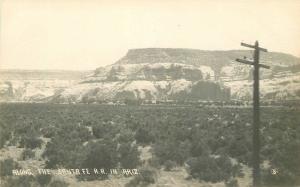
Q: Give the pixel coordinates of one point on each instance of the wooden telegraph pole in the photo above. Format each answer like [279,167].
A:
[256,122]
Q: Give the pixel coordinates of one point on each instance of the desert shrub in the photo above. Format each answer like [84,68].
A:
[74,130]
[27,154]
[101,154]
[146,177]
[284,161]
[217,144]
[73,152]
[126,136]
[143,136]
[172,150]
[22,181]
[6,167]
[211,169]
[103,130]
[129,156]
[203,168]
[58,183]
[198,148]
[2,142]
[155,162]
[14,141]
[82,132]
[49,132]
[232,183]
[66,147]
[169,165]
[281,149]
[66,151]
[4,136]
[98,130]
[211,130]
[132,123]
[240,148]
[43,180]
[180,132]
[30,142]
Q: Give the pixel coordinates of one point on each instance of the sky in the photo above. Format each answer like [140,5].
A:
[87,34]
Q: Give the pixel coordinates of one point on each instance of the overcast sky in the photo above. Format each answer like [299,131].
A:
[80,35]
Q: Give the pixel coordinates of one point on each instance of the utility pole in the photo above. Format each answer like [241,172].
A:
[256,121]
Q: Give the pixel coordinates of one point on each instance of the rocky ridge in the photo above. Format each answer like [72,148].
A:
[161,74]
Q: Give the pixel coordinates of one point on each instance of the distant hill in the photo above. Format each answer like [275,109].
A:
[35,85]
[19,74]
[165,73]
[214,59]
[159,74]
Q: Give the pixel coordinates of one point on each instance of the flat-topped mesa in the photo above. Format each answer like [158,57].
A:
[160,74]
[215,59]
[163,55]
[166,52]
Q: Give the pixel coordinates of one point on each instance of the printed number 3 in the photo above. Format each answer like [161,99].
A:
[274,171]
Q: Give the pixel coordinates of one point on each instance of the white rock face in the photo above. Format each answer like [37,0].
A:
[278,88]
[139,89]
[150,71]
[159,74]
[34,86]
